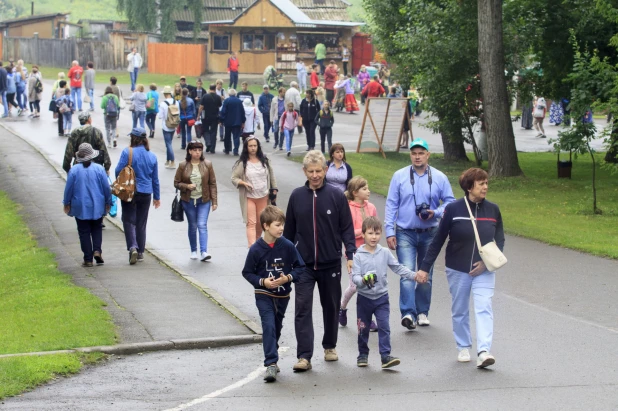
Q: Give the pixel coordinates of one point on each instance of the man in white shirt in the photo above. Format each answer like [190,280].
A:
[135,63]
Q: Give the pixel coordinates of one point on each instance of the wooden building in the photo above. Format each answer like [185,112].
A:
[272,32]
[49,26]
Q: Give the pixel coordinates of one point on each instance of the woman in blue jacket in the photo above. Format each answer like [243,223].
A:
[187,117]
[87,197]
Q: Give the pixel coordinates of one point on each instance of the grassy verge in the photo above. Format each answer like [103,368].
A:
[41,310]
[539,205]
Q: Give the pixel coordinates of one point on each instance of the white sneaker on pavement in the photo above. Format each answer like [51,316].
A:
[464,355]
[423,321]
[205,256]
[484,360]
[194,255]
[408,322]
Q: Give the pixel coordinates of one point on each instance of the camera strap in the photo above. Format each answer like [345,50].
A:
[429,180]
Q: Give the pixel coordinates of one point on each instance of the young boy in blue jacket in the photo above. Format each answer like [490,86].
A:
[271,266]
[369,274]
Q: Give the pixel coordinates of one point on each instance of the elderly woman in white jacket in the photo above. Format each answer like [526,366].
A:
[253,119]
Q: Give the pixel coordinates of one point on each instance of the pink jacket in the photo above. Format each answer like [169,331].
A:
[359,213]
[288,120]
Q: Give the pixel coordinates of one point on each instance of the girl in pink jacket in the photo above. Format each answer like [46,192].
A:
[360,207]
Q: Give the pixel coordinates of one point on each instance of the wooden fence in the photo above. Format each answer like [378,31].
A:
[187,59]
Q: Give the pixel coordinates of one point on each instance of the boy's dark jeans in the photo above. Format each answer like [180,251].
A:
[365,309]
[272,312]
[90,236]
[329,287]
[134,220]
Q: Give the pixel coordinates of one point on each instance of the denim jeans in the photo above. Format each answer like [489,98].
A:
[150,120]
[221,131]
[326,136]
[302,81]
[168,136]
[138,115]
[21,96]
[289,135]
[278,136]
[90,236]
[185,131]
[67,120]
[76,96]
[91,95]
[233,79]
[232,134]
[197,216]
[134,220]
[482,288]
[134,78]
[5,104]
[414,298]
[366,308]
[272,312]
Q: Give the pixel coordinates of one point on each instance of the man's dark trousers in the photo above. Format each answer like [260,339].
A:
[272,312]
[231,133]
[209,130]
[329,287]
[266,119]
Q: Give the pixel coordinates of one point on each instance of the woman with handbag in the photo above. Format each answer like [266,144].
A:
[195,178]
[187,117]
[468,222]
[255,180]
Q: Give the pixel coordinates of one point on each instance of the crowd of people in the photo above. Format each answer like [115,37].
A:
[328,219]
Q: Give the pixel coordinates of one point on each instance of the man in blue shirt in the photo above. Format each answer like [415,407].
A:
[416,200]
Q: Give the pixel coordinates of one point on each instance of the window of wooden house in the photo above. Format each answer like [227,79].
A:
[221,42]
[258,42]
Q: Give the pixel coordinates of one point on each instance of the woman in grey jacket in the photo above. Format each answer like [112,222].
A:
[139,105]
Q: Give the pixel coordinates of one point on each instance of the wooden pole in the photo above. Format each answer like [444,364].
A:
[360,138]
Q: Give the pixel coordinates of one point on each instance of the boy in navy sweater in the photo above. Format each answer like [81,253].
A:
[271,266]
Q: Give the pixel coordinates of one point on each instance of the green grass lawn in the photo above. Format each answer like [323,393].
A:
[538,206]
[79,9]
[42,310]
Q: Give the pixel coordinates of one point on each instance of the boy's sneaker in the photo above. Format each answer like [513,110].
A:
[362,361]
[423,321]
[408,322]
[464,355]
[303,364]
[373,327]
[140,257]
[330,354]
[280,148]
[275,146]
[115,144]
[132,256]
[484,360]
[271,373]
[289,153]
[205,256]
[343,317]
[388,361]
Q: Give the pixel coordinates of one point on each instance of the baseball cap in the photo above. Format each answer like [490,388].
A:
[83,116]
[265,86]
[419,142]
[183,78]
[138,132]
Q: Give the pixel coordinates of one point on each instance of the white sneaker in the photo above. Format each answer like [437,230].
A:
[464,355]
[485,359]
[205,256]
[167,163]
[408,322]
[423,321]
[194,255]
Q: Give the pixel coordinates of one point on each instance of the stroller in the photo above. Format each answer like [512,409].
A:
[273,79]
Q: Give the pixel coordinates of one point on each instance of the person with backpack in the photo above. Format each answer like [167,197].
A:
[75,74]
[35,92]
[209,113]
[277,108]
[144,166]
[56,95]
[66,108]
[325,119]
[169,113]
[309,109]
[287,123]
[152,108]
[86,133]
[21,78]
[110,105]
[187,117]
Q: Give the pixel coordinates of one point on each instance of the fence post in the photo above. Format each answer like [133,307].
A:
[36,56]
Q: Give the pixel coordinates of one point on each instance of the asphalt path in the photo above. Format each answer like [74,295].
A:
[555,337]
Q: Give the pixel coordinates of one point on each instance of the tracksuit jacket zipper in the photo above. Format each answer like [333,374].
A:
[315,231]
[476,212]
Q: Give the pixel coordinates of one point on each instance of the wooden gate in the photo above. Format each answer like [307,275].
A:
[187,59]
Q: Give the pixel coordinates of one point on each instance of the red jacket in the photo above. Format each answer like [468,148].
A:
[315,80]
[373,89]
[330,77]
[232,64]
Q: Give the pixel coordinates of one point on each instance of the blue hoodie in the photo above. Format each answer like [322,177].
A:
[263,262]
[366,262]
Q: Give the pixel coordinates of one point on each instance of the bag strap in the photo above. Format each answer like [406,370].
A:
[130,156]
[473,221]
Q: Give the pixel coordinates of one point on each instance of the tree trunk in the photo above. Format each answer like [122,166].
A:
[454,149]
[501,148]
[612,154]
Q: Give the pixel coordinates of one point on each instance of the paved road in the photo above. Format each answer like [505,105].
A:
[556,330]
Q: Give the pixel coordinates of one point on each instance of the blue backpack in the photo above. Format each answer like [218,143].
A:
[111,108]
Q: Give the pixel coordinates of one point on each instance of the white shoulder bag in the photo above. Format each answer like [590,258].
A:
[490,253]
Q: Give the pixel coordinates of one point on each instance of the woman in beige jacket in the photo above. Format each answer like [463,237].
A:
[256,183]
[195,178]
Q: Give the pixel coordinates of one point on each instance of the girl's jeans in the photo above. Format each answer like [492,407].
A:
[138,115]
[289,134]
[197,216]
[91,95]
[68,120]
[185,131]
[150,120]
[168,136]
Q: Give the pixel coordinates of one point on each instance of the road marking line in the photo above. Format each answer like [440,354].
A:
[250,377]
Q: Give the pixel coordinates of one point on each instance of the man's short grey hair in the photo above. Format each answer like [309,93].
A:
[294,84]
[231,92]
[314,157]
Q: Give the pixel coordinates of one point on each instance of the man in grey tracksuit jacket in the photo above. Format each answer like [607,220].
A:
[374,300]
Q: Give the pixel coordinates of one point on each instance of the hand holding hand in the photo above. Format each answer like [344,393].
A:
[478,268]
[421,276]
